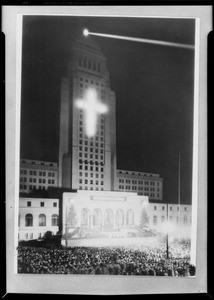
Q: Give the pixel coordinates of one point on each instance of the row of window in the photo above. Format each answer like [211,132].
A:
[86,155]
[91,81]
[171,219]
[90,168]
[91,175]
[50,181]
[91,149]
[134,187]
[170,208]
[42,204]
[41,220]
[31,187]
[91,188]
[92,142]
[40,173]
[138,182]
[138,174]
[86,181]
[90,64]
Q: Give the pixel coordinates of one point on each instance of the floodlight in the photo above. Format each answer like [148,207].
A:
[85,32]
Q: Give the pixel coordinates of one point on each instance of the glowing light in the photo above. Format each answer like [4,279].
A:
[141,40]
[85,32]
[92,108]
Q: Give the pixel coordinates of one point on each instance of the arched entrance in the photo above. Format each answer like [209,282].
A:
[85,217]
[130,218]
[119,218]
[108,219]
[97,218]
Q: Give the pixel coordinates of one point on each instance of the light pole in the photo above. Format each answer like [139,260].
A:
[179,193]
[66,228]
[167,234]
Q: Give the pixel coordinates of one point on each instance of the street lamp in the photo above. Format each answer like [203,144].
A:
[167,233]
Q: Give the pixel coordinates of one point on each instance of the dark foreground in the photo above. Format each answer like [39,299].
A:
[107,261]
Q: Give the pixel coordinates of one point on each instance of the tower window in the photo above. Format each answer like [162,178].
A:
[42,220]
[85,63]
[29,220]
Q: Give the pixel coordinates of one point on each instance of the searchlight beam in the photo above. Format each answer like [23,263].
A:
[86,32]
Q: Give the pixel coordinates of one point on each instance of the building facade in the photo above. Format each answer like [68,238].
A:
[37,216]
[35,174]
[173,218]
[147,184]
[103,211]
[87,163]
[103,197]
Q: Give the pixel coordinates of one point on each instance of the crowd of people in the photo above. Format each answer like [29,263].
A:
[107,261]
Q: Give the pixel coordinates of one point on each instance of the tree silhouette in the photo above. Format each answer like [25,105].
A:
[144,219]
[72,217]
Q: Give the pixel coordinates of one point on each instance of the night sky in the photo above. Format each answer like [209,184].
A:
[153,86]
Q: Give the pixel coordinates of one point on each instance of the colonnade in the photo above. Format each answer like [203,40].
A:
[107,219]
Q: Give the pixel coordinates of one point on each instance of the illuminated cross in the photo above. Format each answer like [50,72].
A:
[92,108]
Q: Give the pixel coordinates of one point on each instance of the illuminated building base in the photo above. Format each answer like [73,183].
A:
[102,211]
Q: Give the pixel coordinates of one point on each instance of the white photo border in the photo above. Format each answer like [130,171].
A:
[107,285]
